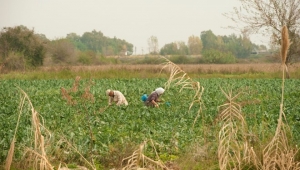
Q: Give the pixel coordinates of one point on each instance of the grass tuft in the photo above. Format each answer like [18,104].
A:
[138,160]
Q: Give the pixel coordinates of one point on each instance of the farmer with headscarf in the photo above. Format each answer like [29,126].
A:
[153,99]
[116,97]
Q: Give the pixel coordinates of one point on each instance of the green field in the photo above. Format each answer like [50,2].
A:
[108,135]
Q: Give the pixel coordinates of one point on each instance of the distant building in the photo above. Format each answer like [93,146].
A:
[128,53]
[259,51]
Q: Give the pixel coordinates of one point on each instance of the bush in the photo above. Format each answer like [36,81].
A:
[86,58]
[62,52]
[22,40]
[179,59]
[13,62]
[218,57]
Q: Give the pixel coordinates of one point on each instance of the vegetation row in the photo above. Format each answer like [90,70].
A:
[23,49]
[107,135]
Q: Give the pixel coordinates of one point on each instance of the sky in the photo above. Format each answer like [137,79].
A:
[135,21]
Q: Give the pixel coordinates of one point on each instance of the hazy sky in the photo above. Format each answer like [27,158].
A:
[132,20]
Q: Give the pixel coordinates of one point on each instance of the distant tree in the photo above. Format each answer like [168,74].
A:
[76,40]
[169,49]
[174,48]
[182,48]
[93,40]
[153,45]
[241,46]
[62,51]
[43,38]
[268,17]
[23,41]
[209,40]
[97,42]
[245,46]
[194,45]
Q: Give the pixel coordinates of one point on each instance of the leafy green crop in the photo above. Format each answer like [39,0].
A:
[170,126]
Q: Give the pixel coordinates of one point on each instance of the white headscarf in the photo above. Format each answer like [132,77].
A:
[159,91]
[107,92]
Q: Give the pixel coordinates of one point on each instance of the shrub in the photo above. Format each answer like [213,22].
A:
[22,40]
[218,57]
[14,61]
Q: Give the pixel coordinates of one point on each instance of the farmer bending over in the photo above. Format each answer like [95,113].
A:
[154,97]
[117,97]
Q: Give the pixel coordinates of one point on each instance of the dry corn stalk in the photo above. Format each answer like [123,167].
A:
[39,158]
[12,145]
[138,160]
[233,149]
[178,77]
[91,164]
[278,154]
[285,44]
[87,95]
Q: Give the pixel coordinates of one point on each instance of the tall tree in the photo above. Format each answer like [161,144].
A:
[62,51]
[194,45]
[21,40]
[175,48]
[93,40]
[97,42]
[182,48]
[240,46]
[268,17]
[209,40]
[76,40]
[169,49]
[153,45]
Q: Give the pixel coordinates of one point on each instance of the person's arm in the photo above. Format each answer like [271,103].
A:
[154,103]
[109,100]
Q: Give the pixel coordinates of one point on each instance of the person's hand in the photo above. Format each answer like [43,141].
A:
[156,105]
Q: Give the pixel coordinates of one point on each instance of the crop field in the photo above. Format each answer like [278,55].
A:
[79,129]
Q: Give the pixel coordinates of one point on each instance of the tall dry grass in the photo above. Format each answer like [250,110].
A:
[234,151]
[233,143]
[10,154]
[278,153]
[188,68]
[36,157]
[252,70]
[178,77]
[139,161]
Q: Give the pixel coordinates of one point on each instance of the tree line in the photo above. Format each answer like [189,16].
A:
[22,48]
[213,48]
